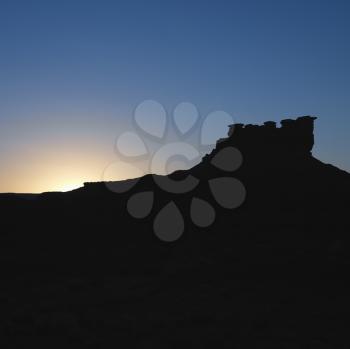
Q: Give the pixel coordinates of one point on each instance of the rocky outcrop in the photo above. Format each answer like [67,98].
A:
[295,138]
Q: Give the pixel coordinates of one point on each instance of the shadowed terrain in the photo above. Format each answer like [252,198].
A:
[79,271]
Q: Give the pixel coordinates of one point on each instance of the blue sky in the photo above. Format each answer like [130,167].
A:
[72,72]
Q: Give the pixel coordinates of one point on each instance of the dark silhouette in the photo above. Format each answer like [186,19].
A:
[79,271]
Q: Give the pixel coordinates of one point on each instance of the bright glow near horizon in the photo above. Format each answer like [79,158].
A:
[69,187]
[53,169]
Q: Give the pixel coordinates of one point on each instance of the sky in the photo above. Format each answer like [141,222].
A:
[73,72]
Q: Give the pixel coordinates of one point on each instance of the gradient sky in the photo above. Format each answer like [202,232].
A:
[72,72]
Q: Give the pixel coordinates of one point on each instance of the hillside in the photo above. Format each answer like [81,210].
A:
[269,271]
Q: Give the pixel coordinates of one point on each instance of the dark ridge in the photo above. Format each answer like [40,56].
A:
[81,272]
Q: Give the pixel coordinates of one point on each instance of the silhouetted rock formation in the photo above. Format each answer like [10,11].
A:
[293,137]
[293,140]
[271,273]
